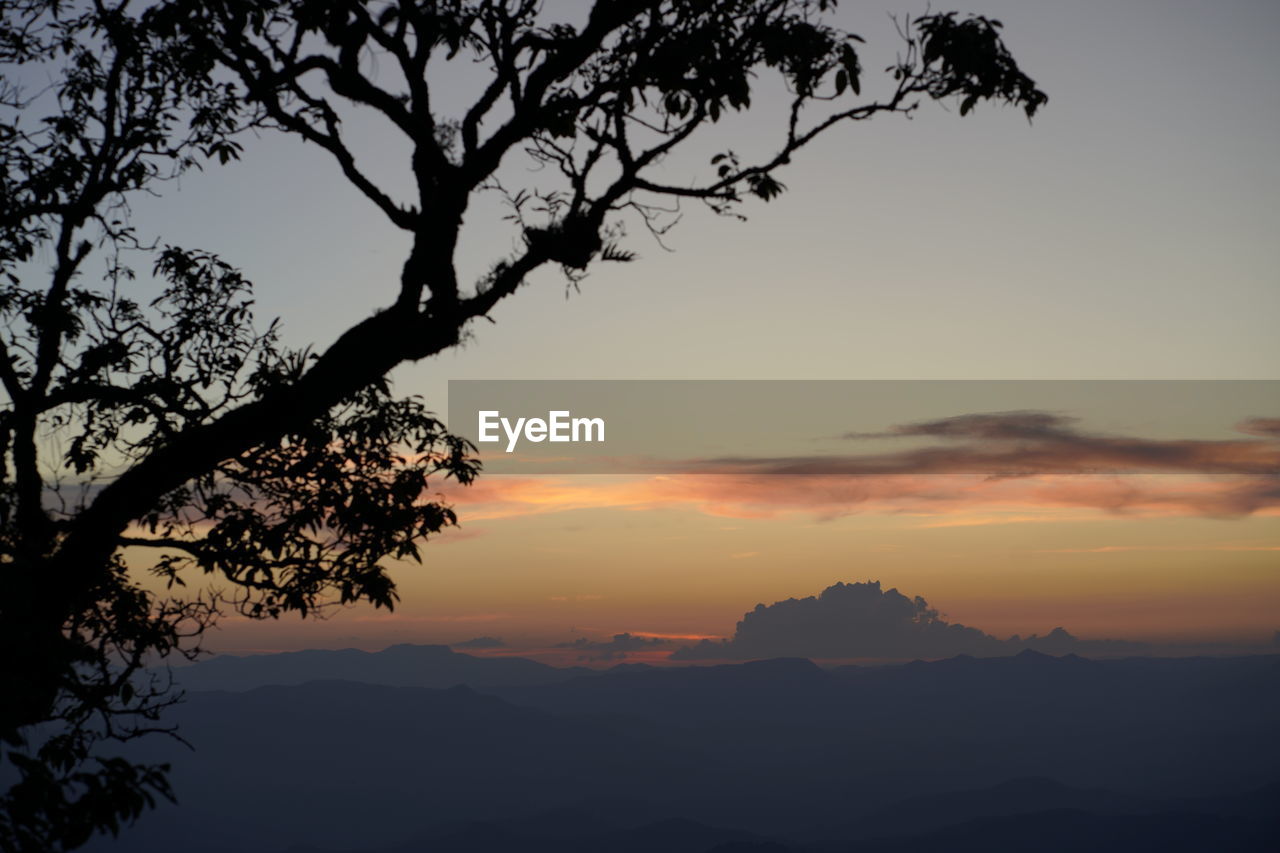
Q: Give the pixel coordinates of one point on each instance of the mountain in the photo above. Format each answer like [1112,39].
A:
[1070,831]
[772,748]
[960,723]
[673,835]
[1027,795]
[756,688]
[1106,823]
[402,665]
[338,764]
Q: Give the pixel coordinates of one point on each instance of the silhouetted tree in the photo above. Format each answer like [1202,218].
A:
[102,389]
[177,426]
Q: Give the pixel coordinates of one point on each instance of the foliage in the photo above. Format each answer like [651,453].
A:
[177,425]
[98,382]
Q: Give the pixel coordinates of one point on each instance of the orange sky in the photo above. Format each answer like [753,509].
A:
[541,561]
[1128,233]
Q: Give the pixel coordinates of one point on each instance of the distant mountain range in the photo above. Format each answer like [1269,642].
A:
[578,831]
[1014,817]
[404,665]
[732,758]
[345,763]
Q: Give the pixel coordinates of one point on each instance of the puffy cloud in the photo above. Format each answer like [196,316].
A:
[861,620]
[614,649]
[480,643]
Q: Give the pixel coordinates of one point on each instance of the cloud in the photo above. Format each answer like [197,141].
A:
[1025,443]
[827,497]
[989,425]
[1267,427]
[480,643]
[614,649]
[1004,461]
[382,617]
[1115,549]
[861,620]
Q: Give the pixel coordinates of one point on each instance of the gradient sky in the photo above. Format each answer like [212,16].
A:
[1130,232]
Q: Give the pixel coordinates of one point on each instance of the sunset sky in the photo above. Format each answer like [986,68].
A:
[1128,233]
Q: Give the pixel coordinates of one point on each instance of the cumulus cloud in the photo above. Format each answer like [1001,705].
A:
[614,649]
[861,620]
[480,643]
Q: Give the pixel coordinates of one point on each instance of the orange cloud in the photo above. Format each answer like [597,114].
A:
[829,496]
[1116,549]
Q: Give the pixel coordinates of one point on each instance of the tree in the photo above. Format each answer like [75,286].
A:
[289,523]
[293,477]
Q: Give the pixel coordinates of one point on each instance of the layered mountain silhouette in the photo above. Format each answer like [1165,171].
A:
[765,756]
[404,665]
[578,831]
[1028,795]
[345,763]
[1071,831]
[1016,816]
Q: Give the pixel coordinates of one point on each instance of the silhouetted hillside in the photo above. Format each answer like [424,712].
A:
[1016,796]
[341,764]
[960,723]
[403,665]
[1192,825]
[674,835]
[1070,831]
[780,749]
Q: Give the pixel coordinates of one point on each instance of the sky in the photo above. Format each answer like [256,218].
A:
[1127,233]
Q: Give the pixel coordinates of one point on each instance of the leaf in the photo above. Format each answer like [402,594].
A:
[611,252]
